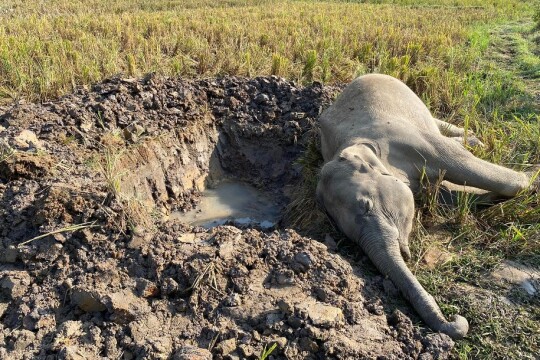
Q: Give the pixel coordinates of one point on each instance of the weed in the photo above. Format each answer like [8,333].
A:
[131,65]
[279,65]
[536,17]
[267,352]
[429,194]
[206,276]
[302,212]
[5,151]
[309,65]
[70,228]
[111,171]
[109,164]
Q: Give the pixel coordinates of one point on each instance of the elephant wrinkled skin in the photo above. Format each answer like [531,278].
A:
[377,138]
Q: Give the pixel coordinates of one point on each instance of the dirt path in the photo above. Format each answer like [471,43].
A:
[516,49]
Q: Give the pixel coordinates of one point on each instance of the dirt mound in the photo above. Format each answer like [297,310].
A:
[90,267]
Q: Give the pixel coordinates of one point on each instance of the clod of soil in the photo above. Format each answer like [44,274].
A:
[90,268]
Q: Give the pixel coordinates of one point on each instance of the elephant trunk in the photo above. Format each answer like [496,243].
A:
[390,262]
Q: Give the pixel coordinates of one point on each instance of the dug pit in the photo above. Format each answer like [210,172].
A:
[233,202]
[89,268]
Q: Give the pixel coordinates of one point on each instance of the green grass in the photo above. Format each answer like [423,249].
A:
[503,112]
[266,352]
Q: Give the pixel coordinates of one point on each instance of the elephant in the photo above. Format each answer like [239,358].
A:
[376,140]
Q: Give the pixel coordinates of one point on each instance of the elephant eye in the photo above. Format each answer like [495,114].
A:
[366,205]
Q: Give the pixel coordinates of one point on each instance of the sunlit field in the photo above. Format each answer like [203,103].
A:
[48,47]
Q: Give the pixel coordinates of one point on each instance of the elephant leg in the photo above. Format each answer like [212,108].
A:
[463,168]
[448,129]
[450,194]
[457,133]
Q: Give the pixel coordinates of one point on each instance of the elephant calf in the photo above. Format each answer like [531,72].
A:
[376,139]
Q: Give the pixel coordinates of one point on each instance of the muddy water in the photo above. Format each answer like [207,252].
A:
[233,202]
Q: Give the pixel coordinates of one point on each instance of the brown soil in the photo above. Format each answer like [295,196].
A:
[118,158]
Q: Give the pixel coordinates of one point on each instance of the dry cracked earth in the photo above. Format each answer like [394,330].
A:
[91,268]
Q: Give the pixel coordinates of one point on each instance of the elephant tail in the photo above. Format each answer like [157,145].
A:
[390,262]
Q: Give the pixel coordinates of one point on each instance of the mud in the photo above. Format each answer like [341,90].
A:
[116,160]
[233,203]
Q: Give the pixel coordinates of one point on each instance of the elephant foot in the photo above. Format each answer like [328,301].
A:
[456,329]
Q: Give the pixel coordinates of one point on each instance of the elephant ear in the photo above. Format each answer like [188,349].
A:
[365,205]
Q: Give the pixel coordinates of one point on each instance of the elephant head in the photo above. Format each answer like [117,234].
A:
[375,209]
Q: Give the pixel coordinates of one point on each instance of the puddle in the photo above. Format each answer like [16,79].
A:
[234,203]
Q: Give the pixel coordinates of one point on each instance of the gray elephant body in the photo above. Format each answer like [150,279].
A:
[377,139]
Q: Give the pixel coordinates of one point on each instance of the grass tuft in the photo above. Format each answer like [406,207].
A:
[303,212]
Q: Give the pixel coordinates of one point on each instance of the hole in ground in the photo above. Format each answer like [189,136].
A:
[207,174]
